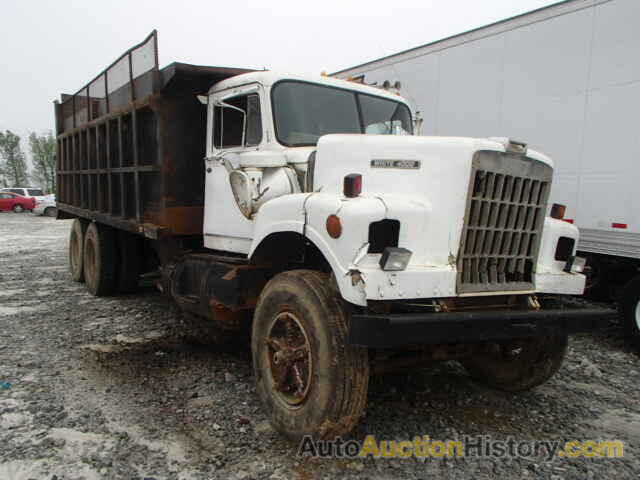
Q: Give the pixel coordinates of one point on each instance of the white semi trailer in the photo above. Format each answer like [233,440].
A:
[566,78]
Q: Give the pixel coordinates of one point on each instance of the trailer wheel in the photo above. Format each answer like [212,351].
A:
[100,260]
[518,365]
[129,262]
[630,311]
[310,381]
[76,249]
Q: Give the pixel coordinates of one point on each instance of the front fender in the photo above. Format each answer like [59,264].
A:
[552,231]
[282,214]
[550,276]
[307,214]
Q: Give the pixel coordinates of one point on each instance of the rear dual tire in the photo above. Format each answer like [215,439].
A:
[107,260]
[76,249]
[100,260]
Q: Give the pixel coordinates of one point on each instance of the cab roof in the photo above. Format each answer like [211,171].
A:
[268,78]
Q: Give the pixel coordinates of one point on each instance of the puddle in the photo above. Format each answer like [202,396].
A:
[23,469]
[10,292]
[177,448]
[6,311]
[79,444]
[43,469]
[618,423]
[15,420]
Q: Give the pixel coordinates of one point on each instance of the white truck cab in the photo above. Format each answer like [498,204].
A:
[468,214]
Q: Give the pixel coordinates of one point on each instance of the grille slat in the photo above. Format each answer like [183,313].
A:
[503,223]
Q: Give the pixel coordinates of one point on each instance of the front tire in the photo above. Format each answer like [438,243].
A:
[310,381]
[518,365]
[100,260]
[630,311]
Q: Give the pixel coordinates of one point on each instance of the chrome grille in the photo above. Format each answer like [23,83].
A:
[503,223]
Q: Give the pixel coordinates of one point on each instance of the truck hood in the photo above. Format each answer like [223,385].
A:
[431,173]
[420,167]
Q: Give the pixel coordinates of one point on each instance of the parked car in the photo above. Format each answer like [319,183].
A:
[28,192]
[46,206]
[15,202]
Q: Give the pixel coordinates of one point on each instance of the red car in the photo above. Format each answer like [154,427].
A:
[17,203]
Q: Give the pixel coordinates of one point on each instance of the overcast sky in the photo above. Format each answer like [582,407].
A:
[49,47]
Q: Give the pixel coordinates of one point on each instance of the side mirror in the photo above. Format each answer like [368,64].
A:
[417,123]
[203,99]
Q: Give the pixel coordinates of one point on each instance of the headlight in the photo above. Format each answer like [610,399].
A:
[241,188]
[394,259]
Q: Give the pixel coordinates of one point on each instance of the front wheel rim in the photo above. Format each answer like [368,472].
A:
[637,314]
[290,362]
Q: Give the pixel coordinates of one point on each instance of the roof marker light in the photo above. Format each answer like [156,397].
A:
[352,185]
[558,210]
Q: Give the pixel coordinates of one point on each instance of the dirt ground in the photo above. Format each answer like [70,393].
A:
[127,387]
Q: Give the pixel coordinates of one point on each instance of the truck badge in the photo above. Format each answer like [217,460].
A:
[402,164]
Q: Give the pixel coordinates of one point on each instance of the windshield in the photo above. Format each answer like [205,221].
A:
[304,112]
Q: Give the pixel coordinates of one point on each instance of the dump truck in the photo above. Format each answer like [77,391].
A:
[304,210]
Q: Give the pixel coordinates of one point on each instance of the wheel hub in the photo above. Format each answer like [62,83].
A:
[289,353]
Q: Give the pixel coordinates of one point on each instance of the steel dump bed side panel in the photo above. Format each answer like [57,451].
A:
[130,145]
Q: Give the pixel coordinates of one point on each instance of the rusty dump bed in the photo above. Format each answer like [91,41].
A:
[131,143]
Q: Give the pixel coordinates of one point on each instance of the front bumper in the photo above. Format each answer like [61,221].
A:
[397,330]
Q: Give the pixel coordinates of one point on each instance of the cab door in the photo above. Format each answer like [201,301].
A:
[235,127]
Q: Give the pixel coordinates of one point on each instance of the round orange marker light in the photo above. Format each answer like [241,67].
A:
[334,226]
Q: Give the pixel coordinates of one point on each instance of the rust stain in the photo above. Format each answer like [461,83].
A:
[184,220]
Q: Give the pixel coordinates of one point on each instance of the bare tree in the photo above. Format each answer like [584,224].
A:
[13,165]
[43,156]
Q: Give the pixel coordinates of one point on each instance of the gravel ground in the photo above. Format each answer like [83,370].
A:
[130,388]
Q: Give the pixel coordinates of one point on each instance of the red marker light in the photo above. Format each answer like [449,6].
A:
[352,185]
[618,225]
[557,211]
[568,220]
